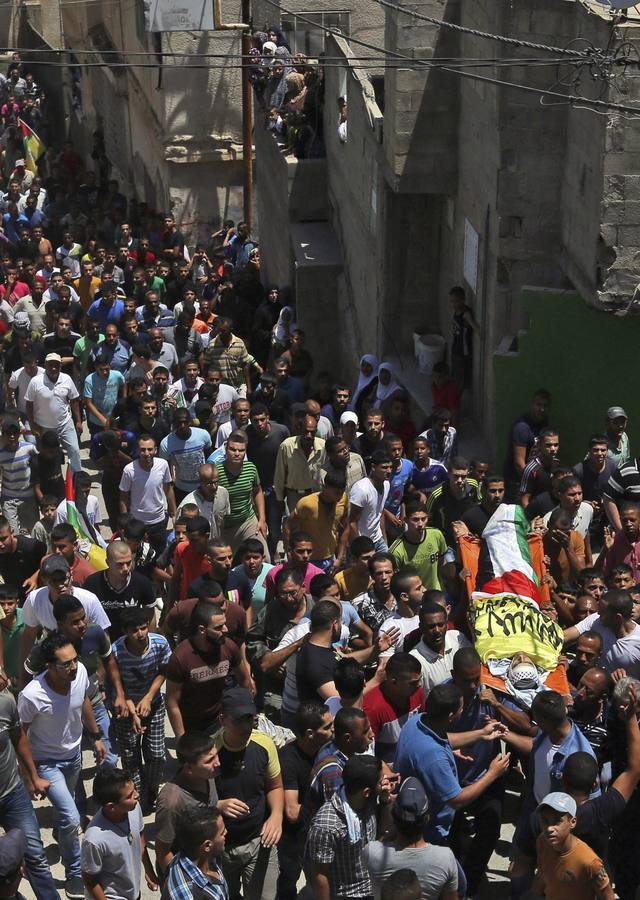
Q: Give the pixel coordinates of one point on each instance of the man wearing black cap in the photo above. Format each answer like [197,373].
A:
[435,867]
[619,446]
[37,612]
[249,771]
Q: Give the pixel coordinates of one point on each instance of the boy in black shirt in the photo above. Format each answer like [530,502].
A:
[316,660]
[314,728]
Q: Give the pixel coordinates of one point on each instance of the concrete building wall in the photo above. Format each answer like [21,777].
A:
[173,135]
[356,198]
[420,144]
[366,17]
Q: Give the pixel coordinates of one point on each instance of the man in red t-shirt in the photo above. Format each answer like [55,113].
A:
[191,559]
[198,669]
[392,703]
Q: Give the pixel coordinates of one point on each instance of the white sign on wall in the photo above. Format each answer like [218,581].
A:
[178,15]
[470,258]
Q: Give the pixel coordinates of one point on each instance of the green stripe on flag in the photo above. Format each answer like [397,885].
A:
[522,529]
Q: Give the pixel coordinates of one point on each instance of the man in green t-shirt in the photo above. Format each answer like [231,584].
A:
[420,548]
[83,347]
[247,518]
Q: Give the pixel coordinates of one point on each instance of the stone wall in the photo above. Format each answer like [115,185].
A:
[357,201]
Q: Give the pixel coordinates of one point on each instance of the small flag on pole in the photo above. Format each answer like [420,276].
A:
[90,544]
[33,146]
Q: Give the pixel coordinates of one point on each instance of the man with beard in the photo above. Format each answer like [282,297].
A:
[436,650]
[343,461]
[589,710]
[475,519]
[624,547]
[198,669]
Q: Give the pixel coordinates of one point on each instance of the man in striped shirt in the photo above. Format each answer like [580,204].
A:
[624,484]
[247,518]
[17,497]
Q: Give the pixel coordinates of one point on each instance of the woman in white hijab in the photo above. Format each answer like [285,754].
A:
[367,383]
[387,384]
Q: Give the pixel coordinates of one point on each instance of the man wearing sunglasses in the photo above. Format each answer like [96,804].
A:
[53,709]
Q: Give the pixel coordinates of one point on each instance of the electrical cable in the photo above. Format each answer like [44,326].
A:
[597,106]
[500,38]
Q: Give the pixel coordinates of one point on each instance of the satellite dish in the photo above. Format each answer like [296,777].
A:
[618,4]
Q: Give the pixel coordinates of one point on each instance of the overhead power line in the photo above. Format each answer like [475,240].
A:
[500,38]
[598,106]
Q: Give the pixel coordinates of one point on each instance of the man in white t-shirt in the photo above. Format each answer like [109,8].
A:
[570,499]
[438,646]
[50,401]
[146,491]
[37,612]
[620,634]
[18,384]
[408,591]
[53,709]
[367,498]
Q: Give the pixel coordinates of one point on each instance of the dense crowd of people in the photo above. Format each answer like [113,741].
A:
[273,561]
[289,89]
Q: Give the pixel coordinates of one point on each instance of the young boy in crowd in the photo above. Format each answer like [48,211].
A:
[567,867]
[114,848]
[42,529]
[142,657]
[249,577]
[12,628]
[355,579]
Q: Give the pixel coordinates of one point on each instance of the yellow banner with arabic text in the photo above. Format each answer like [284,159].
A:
[505,624]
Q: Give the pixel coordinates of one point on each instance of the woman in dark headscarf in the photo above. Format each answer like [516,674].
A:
[276,87]
[276,35]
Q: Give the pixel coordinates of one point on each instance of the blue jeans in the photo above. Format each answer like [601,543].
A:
[111,759]
[63,775]
[69,440]
[16,811]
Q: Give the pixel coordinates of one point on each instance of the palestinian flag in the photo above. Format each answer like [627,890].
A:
[33,147]
[505,563]
[90,543]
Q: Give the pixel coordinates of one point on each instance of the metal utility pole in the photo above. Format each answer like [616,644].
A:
[247,119]
[247,100]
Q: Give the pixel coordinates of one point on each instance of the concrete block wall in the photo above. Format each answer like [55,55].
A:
[356,199]
[421,127]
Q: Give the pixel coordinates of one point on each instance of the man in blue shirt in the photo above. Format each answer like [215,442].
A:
[425,751]
[548,752]
[108,308]
[117,352]
[400,475]
[185,449]
[487,809]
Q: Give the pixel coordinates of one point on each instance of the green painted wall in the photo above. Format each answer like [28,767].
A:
[586,358]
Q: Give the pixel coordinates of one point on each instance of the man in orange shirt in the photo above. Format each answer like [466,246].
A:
[87,284]
[191,560]
[568,869]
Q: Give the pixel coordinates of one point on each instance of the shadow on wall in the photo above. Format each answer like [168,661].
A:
[585,357]
[198,101]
